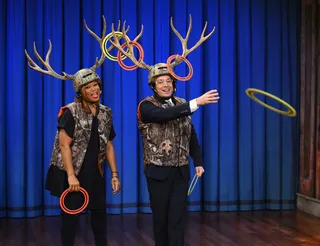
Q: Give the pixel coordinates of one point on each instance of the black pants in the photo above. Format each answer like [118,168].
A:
[70,222]
[98,225]
[168,200]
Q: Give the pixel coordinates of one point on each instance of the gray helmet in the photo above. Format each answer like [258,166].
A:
[84,76]
[157,70]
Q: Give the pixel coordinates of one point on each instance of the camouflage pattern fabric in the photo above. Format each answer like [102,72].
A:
[167,143]
[81,137]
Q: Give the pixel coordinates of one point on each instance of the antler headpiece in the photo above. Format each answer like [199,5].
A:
[81,77]
[160,68]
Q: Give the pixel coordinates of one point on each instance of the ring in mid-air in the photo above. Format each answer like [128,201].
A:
[290,112]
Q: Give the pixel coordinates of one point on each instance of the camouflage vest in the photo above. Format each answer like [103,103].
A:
[81,136]
[166,143]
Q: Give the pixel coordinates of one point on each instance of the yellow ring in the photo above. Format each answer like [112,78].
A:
[105,49]
[291,111]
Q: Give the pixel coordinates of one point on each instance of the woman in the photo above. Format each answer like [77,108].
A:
[82,142]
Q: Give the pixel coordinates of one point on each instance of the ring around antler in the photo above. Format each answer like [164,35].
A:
[129,53]
[184,41]
[66,76]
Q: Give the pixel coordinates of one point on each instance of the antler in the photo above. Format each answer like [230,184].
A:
[100,40]
[99,62]
[50,71]
[129,53]
[184,41]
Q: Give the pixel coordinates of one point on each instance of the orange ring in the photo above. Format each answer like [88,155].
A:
[141,53]
[189,76]
[75,211]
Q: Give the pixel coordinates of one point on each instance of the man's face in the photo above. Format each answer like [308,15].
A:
[164,86]
[91,92]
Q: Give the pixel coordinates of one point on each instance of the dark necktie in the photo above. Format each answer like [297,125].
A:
[170,103]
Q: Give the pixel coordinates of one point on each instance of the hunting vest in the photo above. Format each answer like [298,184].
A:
[166,143]
[81,136]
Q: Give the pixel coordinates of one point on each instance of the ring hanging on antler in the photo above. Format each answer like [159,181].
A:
[105,49]
[179,57]
[141,55]
[185,51]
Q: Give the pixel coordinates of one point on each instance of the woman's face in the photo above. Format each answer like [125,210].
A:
[91,92]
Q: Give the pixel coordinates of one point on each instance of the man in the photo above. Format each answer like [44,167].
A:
[169,138]
[82,142]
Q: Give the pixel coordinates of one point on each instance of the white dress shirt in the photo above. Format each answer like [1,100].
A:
[193,104]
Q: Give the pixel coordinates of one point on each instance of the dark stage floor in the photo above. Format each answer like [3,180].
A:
[245,228]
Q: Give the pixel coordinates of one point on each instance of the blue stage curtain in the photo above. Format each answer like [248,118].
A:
[250,152]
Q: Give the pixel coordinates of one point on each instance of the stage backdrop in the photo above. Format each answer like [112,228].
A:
[250,153]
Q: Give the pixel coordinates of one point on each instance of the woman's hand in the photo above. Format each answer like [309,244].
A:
[115,185]
[74,184]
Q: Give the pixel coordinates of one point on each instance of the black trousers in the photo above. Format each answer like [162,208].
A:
[168,198]
[70,222]
[98,225]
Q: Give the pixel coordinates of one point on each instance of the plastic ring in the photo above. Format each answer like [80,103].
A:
[105,49]
[141,54]
[193,184]
[75,211]
[291,111]
[189,76]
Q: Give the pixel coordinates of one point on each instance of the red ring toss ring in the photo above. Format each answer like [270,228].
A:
[141,56]
[171,58]
[75,211]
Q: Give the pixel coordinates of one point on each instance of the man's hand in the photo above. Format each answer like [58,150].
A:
[74,184]
[208,97]
[115,185]
[199,171]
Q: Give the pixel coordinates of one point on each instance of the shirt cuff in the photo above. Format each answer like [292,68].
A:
[193,105]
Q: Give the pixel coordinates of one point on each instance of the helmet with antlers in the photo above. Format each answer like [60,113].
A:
[159,68]
[81,77]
